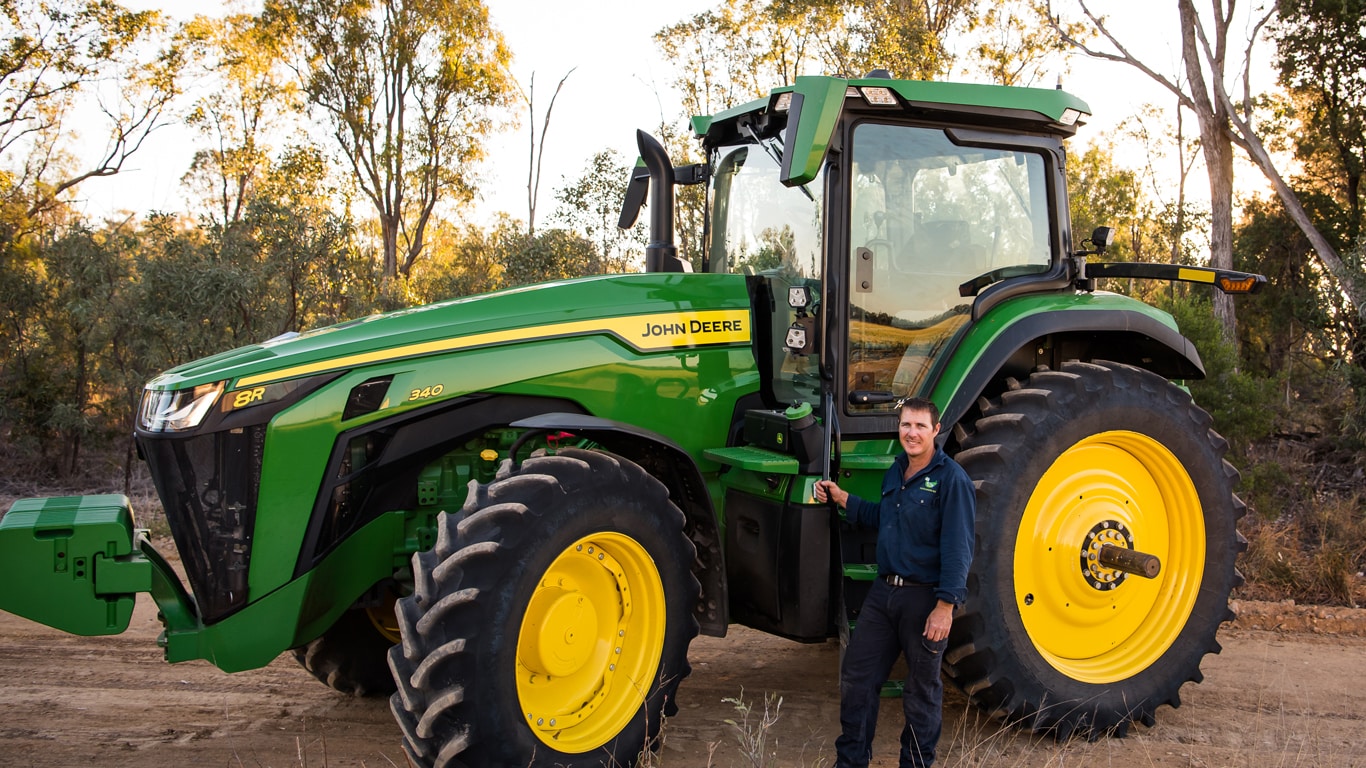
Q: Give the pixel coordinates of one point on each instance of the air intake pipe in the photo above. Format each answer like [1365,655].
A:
[660,255]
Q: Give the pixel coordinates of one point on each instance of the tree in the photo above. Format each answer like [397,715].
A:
[1300,320]
[733,54]
[905,37]
[409,90]
[464,261]
[554,254]
[1321,55]
[55,53]
[245,93]
[1014,45]
[310,272]
[746,47]
[591,206]
[1206,91]
[533,173]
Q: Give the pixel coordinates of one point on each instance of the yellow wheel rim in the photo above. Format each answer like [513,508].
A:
[384,621]
[1091,623]
[590,642]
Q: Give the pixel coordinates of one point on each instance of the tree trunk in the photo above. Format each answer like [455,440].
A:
[389,226]
[1218,151]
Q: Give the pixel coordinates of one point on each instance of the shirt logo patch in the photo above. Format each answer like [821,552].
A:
[931,485]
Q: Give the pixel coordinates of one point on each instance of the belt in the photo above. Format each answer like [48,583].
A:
[899,581]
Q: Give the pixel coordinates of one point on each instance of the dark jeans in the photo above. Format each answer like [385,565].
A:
[891,623]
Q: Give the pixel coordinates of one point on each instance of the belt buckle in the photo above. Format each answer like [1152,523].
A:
[895,580]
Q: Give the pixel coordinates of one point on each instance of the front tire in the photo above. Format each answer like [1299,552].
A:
[551,623]
[352,655]
[1094,454]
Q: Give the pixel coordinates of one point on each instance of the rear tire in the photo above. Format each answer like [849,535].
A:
[551,623]
[1094,453]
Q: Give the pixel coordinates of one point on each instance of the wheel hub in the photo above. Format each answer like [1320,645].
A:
[1099,576]
[1075,547]
[561,637]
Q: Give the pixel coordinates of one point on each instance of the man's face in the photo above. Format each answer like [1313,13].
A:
[917,431]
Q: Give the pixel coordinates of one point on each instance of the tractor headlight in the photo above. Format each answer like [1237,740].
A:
[178,410]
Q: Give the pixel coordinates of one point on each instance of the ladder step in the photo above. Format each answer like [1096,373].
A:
[860,571]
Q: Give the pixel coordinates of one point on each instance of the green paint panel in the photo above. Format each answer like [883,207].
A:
[298,611]
[861,571]
[822,99]
[603,305]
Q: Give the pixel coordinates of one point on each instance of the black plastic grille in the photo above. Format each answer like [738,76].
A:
[208,485]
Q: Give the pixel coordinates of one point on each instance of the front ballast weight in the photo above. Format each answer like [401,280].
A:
[77,564]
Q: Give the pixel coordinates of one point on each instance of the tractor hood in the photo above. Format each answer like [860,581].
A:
[690,310]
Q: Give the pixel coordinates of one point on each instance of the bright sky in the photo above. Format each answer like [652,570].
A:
[619,84]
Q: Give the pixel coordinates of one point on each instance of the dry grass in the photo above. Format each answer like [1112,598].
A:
[1274,734]
[1314,561]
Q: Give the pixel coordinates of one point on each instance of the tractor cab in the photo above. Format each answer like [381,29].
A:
[880,221]
[874,219]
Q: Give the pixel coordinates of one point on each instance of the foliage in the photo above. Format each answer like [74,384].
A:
[1321,54]
[752,730]
[1102,194]
[1014,44]
[409,90]
[247,93]
[1302,319]
[591,206]
[51,53]
[551,254]
[1243,405]
[743,48]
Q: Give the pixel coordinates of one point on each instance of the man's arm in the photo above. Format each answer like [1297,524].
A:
[956,538]
[854,507]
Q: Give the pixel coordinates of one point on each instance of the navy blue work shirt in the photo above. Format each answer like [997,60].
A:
[924,525]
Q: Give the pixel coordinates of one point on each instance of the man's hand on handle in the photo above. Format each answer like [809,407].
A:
[827,490]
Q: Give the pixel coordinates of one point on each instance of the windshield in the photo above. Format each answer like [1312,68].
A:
[925,216]
[761,227]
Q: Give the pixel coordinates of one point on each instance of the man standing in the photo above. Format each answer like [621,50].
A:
[924,522]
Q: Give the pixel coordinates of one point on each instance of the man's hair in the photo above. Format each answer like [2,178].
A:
[921,404]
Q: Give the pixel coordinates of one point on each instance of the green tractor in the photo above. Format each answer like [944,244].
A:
[513,512]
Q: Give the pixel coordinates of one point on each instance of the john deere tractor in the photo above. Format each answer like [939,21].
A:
[513,512]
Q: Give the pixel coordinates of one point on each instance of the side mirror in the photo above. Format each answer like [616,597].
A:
[1102,238]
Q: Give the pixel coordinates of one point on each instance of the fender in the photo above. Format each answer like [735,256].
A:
[1120,335]
[415,438]
[674,467]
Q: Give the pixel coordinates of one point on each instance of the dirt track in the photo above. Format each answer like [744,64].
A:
[1287,697]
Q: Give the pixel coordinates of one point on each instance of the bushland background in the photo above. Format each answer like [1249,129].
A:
[341,147]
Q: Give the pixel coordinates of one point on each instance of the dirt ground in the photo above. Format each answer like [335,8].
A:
[1286,691]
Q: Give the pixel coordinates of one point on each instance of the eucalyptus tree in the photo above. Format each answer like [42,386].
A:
[245,98]
[409,90]
[591,206]
[1224,105]
[68,65]
[1321,58]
